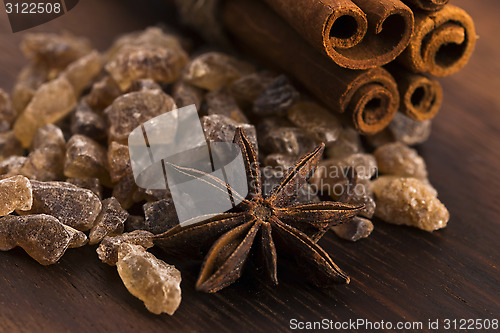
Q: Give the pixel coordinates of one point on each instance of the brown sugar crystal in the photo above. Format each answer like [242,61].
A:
[400,160]
[85,158]
[51,102]
[409,201]
[354,230]
[108,248]
[316,121]
[133,109]
[42,236]
[73,206]
[54,51]
[213,70]
[15,193]
[109,222]
[46,160]
[118,161]
[151,280]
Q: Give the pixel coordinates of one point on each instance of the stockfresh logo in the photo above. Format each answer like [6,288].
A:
[171,152]
[28,14]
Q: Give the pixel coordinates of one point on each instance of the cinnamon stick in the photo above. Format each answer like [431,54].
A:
[442,42]
[429,5]
[356,34]
[370,96]
[420,96]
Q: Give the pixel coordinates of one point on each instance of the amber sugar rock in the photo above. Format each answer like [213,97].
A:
[51,102]
[150,279]
[110,221]
[15,193]
[73,206]
[42,236]
[409,201]
[108,248]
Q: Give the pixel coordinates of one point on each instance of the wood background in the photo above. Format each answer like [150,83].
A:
[397,274]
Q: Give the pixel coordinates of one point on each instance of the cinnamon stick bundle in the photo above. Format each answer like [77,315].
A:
[430,5]
[442,42]
[420,96]
[355,34]
[371,96]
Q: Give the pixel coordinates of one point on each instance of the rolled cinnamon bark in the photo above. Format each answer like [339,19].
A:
[442,42]
[356,34]
[370,96]
[420,96]
[429,5]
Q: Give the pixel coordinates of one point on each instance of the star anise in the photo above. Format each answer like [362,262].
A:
[268,223]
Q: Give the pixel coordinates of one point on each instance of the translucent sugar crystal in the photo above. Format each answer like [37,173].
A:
[139,62]
[88,183]
[400,160]
[150,279]
[9,145]
[276,98]
[108,248]
[42,236]
[73,206]
[125,191]
[246,89]
[156,195]
[103,93]
[220,101]
[220,128]
[213,70]
[118,161]
[78,238]
[160,216]
[409,131]
[133,109]
[151,36]
[276,135]
[89,123]
[271,178]
[354,230]
[46,161]
[381,138]
[409,201]
[11,166]
[48,135]
[316,121]
[7,113]
[85,158]
[332,177]
[366,199]
[281,161]
[81,72]
[55,51]
[186,94]
[51,102]
[27,83]
[134,222]
[360,193]
[109,222]
[144,84]
[149,54]
[365,166]
[15,193]
[347,143]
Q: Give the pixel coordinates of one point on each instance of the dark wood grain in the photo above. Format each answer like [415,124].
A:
[397,273]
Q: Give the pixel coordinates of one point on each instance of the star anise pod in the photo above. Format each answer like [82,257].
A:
[267,223]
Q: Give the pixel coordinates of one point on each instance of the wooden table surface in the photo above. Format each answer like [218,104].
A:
[398,273]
